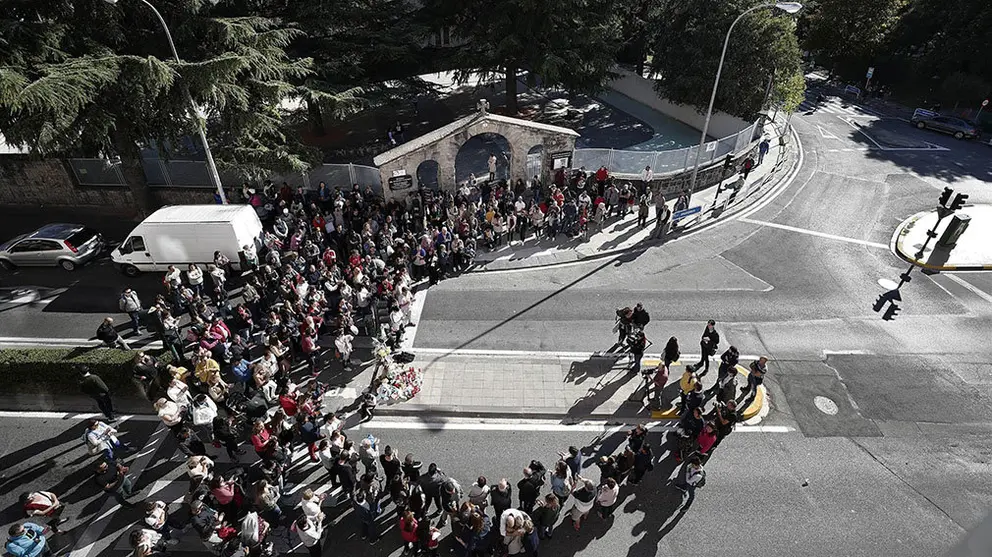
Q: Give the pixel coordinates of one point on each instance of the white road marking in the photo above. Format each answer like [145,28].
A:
[13,342]
[539,425]
[815,233]
[974,289]
[416,309]
[76,416]
[825,134]
[847,353]
[95,529]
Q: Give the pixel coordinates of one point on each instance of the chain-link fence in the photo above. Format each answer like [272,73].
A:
[620,162]
[193,174]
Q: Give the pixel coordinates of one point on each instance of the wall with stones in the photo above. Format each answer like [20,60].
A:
[48,182]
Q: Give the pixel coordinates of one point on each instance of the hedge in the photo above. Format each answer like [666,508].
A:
[57,369]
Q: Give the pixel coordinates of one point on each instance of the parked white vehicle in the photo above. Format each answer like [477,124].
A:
[184,234]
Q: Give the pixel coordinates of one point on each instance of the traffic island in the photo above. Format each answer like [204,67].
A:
[962,240]
[670,412]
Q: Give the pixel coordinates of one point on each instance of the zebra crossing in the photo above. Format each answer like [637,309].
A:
[836,106]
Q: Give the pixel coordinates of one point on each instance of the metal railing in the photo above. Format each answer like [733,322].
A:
[629,162]
[193,174]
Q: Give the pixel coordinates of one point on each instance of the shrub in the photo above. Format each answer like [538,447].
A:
[57,369]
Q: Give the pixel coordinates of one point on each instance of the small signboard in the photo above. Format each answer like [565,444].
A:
[400,182]
[679,215]
[871,72]
[985,102]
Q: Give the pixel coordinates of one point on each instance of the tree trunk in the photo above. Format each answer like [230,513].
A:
[132,173]
[511,90]
[315,118]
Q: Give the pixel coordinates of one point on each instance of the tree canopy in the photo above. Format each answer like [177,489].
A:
[569,43]
[88,77]
[687,41]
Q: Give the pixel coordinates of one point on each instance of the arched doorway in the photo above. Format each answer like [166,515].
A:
[428,174]
[473,157]
[535,160]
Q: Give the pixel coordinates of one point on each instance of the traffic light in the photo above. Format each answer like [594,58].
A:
[946,196]
[890,312]
[728,162]
[958,202]
[880,303]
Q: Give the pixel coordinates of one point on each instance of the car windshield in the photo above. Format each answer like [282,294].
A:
[81,237]
[4,246]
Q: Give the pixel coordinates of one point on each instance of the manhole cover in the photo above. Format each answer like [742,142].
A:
[825,405]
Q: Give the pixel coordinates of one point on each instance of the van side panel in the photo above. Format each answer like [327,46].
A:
[184,243]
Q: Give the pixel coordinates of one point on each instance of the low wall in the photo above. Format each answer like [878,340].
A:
[37,183]
[642,90]
[675,183]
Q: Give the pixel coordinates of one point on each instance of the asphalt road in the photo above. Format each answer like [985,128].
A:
[772,494]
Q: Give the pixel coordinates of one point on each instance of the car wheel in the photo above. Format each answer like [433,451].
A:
[67,265]
[130,271]
[7,265]
[921,125]
[959,135]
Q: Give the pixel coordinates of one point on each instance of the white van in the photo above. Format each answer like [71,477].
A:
[184,234]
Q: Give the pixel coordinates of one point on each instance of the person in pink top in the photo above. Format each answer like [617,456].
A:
[706,439]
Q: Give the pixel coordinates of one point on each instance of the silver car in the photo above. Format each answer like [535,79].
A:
[958,127]
[60,244]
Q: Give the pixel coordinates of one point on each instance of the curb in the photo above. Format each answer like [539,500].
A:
[751,411]
[895,246]
[646,244]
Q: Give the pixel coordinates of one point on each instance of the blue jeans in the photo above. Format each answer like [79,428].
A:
[135,320]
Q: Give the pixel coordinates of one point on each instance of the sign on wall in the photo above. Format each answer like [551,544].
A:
[400,182]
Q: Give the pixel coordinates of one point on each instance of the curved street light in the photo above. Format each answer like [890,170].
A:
[201,124]
[788,7]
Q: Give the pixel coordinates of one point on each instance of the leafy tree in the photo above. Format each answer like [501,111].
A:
[569,43]
[789,92]
[85,77]
[687,42]
[365,52]
[846,35]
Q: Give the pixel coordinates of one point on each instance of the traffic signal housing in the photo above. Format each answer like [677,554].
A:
[958,202]
[945,197]
[890,312]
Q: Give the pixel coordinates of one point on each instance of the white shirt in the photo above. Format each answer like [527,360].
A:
[195,276]
[647,175]
[101,438]
[311,534]
[310,508]
[607,497]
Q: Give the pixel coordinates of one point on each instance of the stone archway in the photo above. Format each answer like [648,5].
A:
[473,157]
[429,174]
[443,145]
[535,161]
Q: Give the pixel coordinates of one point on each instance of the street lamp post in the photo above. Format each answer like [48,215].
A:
[200,123]
[789,7]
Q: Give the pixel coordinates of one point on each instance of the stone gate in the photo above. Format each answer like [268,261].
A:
[398,166]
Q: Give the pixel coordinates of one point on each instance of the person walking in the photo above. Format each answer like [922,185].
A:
[672,352]
[695,477]
[755,378]
[659,381]
[113,478]
[638,344]
[707,346]
[687,385]
[27,540]
[109,335]
[45,504]
[95,388]
[310,531]
[748,166]
[131,305]
[763,148]
[643,462]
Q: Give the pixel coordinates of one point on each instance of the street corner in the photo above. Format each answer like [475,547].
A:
[959,241]
[820,402]
[753,414]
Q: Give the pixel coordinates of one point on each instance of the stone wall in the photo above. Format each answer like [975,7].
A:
[48,182]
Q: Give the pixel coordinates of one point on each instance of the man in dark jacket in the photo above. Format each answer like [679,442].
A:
[643,461]
[707,346]
[641,317]
[529,489]
[432,482]
[501,498]
[94,387]
[344,474]
[109,335]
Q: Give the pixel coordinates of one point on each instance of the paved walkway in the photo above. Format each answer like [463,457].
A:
[567,387]
[621,235]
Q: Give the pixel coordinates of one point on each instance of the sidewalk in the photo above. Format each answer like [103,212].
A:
[623,235]
[566,387]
